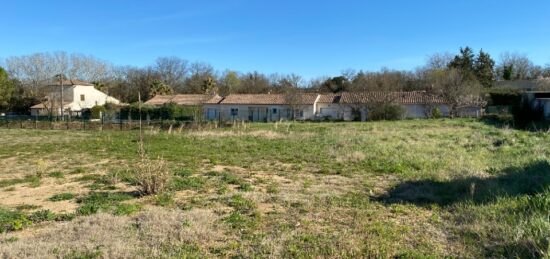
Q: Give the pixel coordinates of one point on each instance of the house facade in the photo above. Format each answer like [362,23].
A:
[77,96]
[261,107]
[344,106]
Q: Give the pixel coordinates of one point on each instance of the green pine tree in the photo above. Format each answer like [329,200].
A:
[484,69]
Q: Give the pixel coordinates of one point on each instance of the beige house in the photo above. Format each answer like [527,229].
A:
[262,107]
[77,96]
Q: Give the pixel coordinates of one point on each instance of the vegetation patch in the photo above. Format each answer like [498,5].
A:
[62,197]
[106,202]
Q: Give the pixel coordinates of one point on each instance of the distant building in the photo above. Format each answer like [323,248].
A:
[523,85]
[180,99]
[345,106]
[77,96]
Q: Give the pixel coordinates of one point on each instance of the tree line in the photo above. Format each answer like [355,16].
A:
[23,78]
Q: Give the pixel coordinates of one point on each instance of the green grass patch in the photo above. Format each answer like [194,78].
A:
[105,202]
[57,174]
[62,197]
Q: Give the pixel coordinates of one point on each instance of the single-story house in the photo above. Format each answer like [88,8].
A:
[345,106]
[262,107]
[77,96]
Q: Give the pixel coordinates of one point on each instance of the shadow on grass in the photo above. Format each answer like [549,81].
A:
[508,121]
[513,181]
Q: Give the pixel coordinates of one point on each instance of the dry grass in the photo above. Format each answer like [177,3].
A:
[152,233]
[290,190]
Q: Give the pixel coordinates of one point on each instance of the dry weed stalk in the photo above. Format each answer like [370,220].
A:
[152,176]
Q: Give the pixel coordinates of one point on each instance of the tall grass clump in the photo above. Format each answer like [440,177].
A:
[152,176]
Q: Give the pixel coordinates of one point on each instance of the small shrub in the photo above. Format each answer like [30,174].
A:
[386,112]
[61,197]
[97,111]
[436,113]
[152,177]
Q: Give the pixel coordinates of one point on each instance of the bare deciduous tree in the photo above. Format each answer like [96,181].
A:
[456,89]
[173,71]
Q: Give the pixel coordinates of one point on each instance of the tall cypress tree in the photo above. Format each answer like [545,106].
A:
[484,69]
[464,62]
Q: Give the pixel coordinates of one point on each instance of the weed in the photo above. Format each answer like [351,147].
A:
[164,199]
[102,202]
[12,220]
[62,197]
[245,187]
[56,174]
[180,183]
[27,207]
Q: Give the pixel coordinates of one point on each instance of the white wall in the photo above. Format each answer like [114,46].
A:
[92,97]
[260,112]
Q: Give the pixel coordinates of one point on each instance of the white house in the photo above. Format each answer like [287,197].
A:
[345,106]
[261,107]
[77,96]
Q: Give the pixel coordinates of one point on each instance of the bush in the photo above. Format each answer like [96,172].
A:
[97,111]
[152,176]
[436,113]
[386,112]
[168,111]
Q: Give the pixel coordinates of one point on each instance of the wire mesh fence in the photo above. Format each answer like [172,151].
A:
[81,123]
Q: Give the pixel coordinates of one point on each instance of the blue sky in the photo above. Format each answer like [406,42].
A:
[311,38]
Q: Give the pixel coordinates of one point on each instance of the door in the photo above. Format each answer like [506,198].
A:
[211,114]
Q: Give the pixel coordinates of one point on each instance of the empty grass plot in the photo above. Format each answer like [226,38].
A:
[411,188]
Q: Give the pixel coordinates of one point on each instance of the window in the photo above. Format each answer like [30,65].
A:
[298,113]
[234,111]
[274,111]
[82,98]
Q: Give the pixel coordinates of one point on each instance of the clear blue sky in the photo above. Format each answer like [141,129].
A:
[311,38]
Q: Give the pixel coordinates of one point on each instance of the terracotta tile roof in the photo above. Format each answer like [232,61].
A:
[160,100]
[71,82]
[180,99]
[191,99]
[329,98]
[416,97]
[264,99]
[214,100]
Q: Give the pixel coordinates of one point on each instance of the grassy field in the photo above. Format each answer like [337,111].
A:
[418,188]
